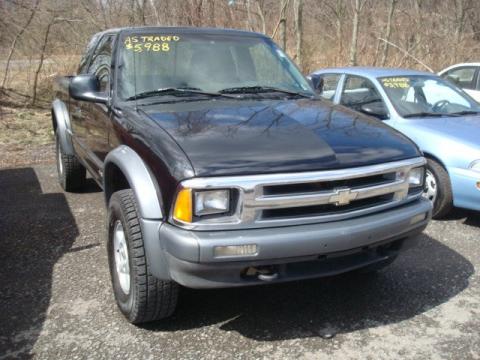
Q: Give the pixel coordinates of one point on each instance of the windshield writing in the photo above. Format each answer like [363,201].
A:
[426,95]
[209,63]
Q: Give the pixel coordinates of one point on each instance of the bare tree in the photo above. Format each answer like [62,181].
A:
[298,10]
[282,24]
[15,40]
[357,8]
[42,58]
[261,15]
[388,31]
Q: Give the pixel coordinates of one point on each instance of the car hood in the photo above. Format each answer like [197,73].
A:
[465,129]
[239,137]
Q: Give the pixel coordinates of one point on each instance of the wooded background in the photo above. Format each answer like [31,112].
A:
[40,39]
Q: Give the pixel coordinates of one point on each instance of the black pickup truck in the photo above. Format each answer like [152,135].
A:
[222,167]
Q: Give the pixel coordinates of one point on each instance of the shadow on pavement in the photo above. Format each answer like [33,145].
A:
[469,217]
[36,229]
[422,278]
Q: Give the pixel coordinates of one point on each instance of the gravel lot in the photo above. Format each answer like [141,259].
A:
[56,302]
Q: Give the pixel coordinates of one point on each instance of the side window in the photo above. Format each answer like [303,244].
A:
[358,91]
[462,77]
[330,83]
[103,75]
[102,57]
[101,62]
[84,61]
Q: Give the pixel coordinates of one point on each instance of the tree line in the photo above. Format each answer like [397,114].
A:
[43,38]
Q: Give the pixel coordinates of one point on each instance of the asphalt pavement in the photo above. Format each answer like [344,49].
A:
[56,301]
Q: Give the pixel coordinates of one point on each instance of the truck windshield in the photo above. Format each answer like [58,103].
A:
[427,96]
[204,62]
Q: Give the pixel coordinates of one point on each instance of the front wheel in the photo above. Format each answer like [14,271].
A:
[438,189]
[139,296]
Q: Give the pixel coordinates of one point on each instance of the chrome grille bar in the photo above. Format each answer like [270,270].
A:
[252,201]
[327,197]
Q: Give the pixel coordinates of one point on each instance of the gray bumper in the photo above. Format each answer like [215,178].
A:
[299,252]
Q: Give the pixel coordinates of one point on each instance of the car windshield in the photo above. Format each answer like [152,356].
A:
[151,63]
[424,95]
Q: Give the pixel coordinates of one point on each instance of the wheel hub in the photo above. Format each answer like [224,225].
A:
[431,190]
[121,257]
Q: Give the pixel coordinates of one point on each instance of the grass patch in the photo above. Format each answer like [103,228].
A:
[25,127]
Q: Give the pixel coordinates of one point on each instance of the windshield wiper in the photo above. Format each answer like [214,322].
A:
[260,89]
[173,91]
[426,114]
[466,112]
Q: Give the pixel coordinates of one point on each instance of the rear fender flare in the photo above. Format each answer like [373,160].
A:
[62,126]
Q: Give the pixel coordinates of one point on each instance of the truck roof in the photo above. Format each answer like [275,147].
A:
[182,30]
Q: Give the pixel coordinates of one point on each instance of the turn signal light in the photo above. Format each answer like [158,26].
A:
[183,206]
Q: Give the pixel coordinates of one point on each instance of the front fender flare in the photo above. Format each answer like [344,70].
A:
[149,203]
[63,128]
[139,178]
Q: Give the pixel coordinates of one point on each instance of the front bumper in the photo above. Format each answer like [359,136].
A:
[464,186]
[298,252]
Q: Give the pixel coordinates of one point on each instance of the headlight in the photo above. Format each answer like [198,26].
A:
[416,176]
[190,203]
[211,202]
[475,166]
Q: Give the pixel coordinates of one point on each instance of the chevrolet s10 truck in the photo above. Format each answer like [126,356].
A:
[221,166]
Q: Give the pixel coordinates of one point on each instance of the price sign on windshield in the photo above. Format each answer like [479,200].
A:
[396,82]
[155,43]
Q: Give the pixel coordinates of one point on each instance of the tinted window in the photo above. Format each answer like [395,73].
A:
[102,56]
[462,77]
[103,75]
[330,82]
[203,61]
[85,60]
[359,91]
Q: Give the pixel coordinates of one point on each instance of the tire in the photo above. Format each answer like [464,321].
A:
[437,177]
[71,174]
[376,267]
[139,295]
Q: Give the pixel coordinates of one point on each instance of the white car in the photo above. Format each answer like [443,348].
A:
[465,76]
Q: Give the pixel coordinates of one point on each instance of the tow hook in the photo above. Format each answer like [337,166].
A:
[264,273]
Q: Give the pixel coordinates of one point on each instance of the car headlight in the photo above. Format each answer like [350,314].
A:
[211,202]
[416,177]
[190,203]
[475,166]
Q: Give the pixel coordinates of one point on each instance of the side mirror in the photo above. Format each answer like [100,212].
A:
[85,87]
[376,109]
[317,83]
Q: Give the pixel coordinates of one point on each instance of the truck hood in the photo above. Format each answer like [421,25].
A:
[240,137]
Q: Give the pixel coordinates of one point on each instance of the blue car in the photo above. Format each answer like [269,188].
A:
[440,117]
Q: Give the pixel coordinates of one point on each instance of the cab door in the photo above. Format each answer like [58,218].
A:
[92,120]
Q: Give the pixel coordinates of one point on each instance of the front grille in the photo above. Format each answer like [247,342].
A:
[328,209]
[330,185]
[309,197]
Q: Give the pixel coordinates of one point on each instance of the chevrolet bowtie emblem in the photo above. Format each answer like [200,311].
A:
[342,196]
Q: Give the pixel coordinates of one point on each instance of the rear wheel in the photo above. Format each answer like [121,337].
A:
[71,174]
[139,295]
[438,189]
